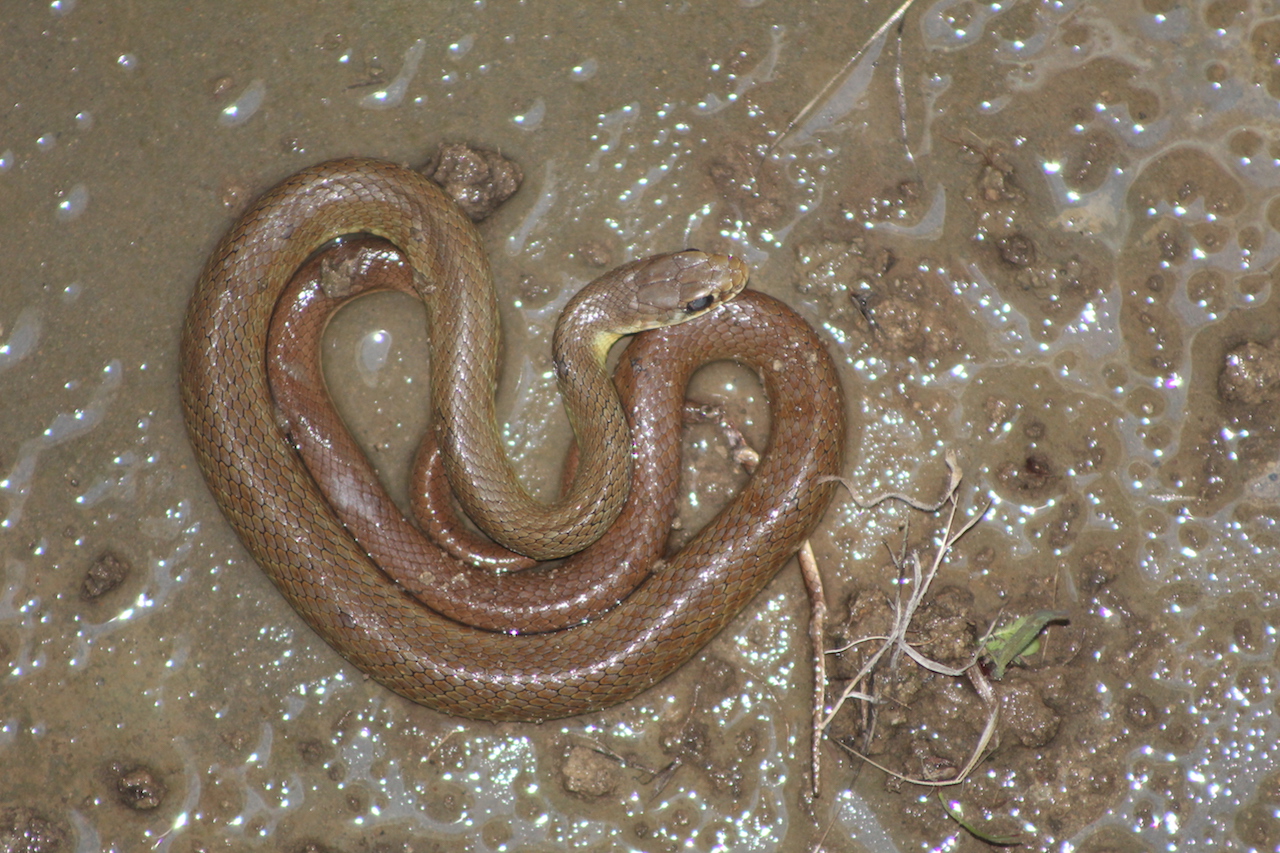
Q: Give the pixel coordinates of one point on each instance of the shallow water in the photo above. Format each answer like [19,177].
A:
[1031,233]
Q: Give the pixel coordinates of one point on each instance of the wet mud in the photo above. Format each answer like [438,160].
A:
[1039,236]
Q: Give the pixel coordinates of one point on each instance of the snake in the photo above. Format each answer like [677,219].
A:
[272,501]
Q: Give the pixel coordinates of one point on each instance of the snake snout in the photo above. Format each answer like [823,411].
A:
[736,274]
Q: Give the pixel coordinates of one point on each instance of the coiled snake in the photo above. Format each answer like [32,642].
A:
[272,501]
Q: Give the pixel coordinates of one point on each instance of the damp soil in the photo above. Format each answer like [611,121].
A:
[1040,237]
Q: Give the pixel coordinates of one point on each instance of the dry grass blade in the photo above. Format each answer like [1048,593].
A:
[953,483]
[992,705]
[839,76]
[817,631]
[895,644]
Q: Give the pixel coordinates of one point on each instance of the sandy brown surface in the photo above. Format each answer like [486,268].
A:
[1041,235]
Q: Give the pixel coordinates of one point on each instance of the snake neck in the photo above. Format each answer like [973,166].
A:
[580,348]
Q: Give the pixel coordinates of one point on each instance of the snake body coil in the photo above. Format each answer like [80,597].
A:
[279,513]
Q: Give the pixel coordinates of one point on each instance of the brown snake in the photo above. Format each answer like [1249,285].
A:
[273,503]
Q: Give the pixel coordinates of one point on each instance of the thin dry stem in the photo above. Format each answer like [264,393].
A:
[839,76]
[817,631]
[895,644]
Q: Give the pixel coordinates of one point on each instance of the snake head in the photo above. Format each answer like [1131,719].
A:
[650,293]
[669,289]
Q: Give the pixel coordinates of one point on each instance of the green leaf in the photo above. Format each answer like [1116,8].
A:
[1007,645]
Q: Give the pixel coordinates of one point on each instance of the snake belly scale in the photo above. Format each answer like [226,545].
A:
[280,515]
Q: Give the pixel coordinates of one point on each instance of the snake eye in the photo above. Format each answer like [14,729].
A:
[702,303]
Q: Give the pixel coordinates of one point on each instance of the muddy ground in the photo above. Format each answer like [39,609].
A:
[1041,236]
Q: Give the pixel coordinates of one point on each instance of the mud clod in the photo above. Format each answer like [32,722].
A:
[1250,374]
[478,180]
[1026,715]
[588,774]
[105,574]
[1033,477]
[139,787]
[1017,250]
[1097,569]
[595,253]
